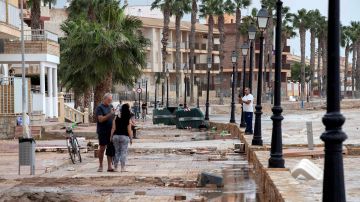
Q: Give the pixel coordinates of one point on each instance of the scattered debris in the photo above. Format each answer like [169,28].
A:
[141,193]
[180,197]
[210,178]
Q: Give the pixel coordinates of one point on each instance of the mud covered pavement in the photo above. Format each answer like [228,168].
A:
[163,165]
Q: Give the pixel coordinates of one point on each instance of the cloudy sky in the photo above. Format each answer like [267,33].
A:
[349,12]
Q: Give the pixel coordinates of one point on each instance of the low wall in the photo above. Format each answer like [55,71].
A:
[7,126]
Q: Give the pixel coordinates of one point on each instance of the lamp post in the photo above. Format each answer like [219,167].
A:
[185,82]
[146,91]
[233,60]
[262,19]
[252,34]
[333,137]
[167,87]
[139,99]
[162,90]
[209,61]
[198,87]
[244,51]
[156,79]
[276,156]
[307,88]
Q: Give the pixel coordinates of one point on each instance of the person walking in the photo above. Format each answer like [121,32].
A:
[104,115]
[121,136]
[248,109]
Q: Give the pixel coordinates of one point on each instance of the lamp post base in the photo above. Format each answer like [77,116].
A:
[276,162]
[257,142]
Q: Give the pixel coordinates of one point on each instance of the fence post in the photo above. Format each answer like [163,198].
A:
[61,108]
[86,115]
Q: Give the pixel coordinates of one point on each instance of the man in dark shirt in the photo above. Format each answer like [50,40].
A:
[104,115]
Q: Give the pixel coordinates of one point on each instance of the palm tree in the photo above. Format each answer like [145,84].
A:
[269,38]
[239,4]
[106,49]
[346,42]
[300,21]
[319,31]
[322,37]
[355,36]
[207,9]
[314,16]
[226,7]
[179,8]
[194,10]
[165,6]
[35,14]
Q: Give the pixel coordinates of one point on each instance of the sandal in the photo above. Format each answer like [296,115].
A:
[111,170]
[100,169]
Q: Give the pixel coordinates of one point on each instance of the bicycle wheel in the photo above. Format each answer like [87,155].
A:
[77,149]
[70,149]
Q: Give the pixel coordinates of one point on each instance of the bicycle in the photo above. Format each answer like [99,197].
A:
[73,144]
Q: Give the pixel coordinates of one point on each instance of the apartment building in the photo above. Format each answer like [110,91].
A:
[42,55]
[152,29]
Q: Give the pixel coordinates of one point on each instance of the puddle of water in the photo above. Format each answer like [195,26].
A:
[239,185]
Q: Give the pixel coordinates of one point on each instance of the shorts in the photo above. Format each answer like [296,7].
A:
[104,139]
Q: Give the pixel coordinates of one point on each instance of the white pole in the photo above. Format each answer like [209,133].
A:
[24,121]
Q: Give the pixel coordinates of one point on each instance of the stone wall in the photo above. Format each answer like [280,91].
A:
[7,126]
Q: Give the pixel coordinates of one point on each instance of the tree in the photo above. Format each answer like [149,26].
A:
[320,32]
[269,38]
[164,6]
[314,16]
[346,42]
[225,7]
[102,46]
[300,21]
[178,8]
[239,4]
[35,14]
[353,37]
[194,10]
[207,9]
[296,72]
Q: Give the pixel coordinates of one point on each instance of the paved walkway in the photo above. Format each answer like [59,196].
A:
[162,163]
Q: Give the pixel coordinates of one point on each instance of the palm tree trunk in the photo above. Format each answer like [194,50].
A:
[319,76]
[302,47]
[78,99]
[353,70]
[165,37]
[210,37]
[35,14]
[100,89]
[177,56]
[324,60]
[347,50]
[87,100]
[357,79]
[237,47]
[312,59]
[221,22]
[192,49]
[269,50]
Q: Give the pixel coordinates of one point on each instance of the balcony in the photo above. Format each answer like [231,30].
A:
[36,42]
[9,21]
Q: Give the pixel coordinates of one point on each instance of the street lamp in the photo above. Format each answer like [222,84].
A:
[162,80]
[185,81]
[276,155]
[167,87]
[333,137]
[244,50]
[307,88]
[252,34]
[262,20]
[209,61]
[156,79]
[198,88]
[233,60]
